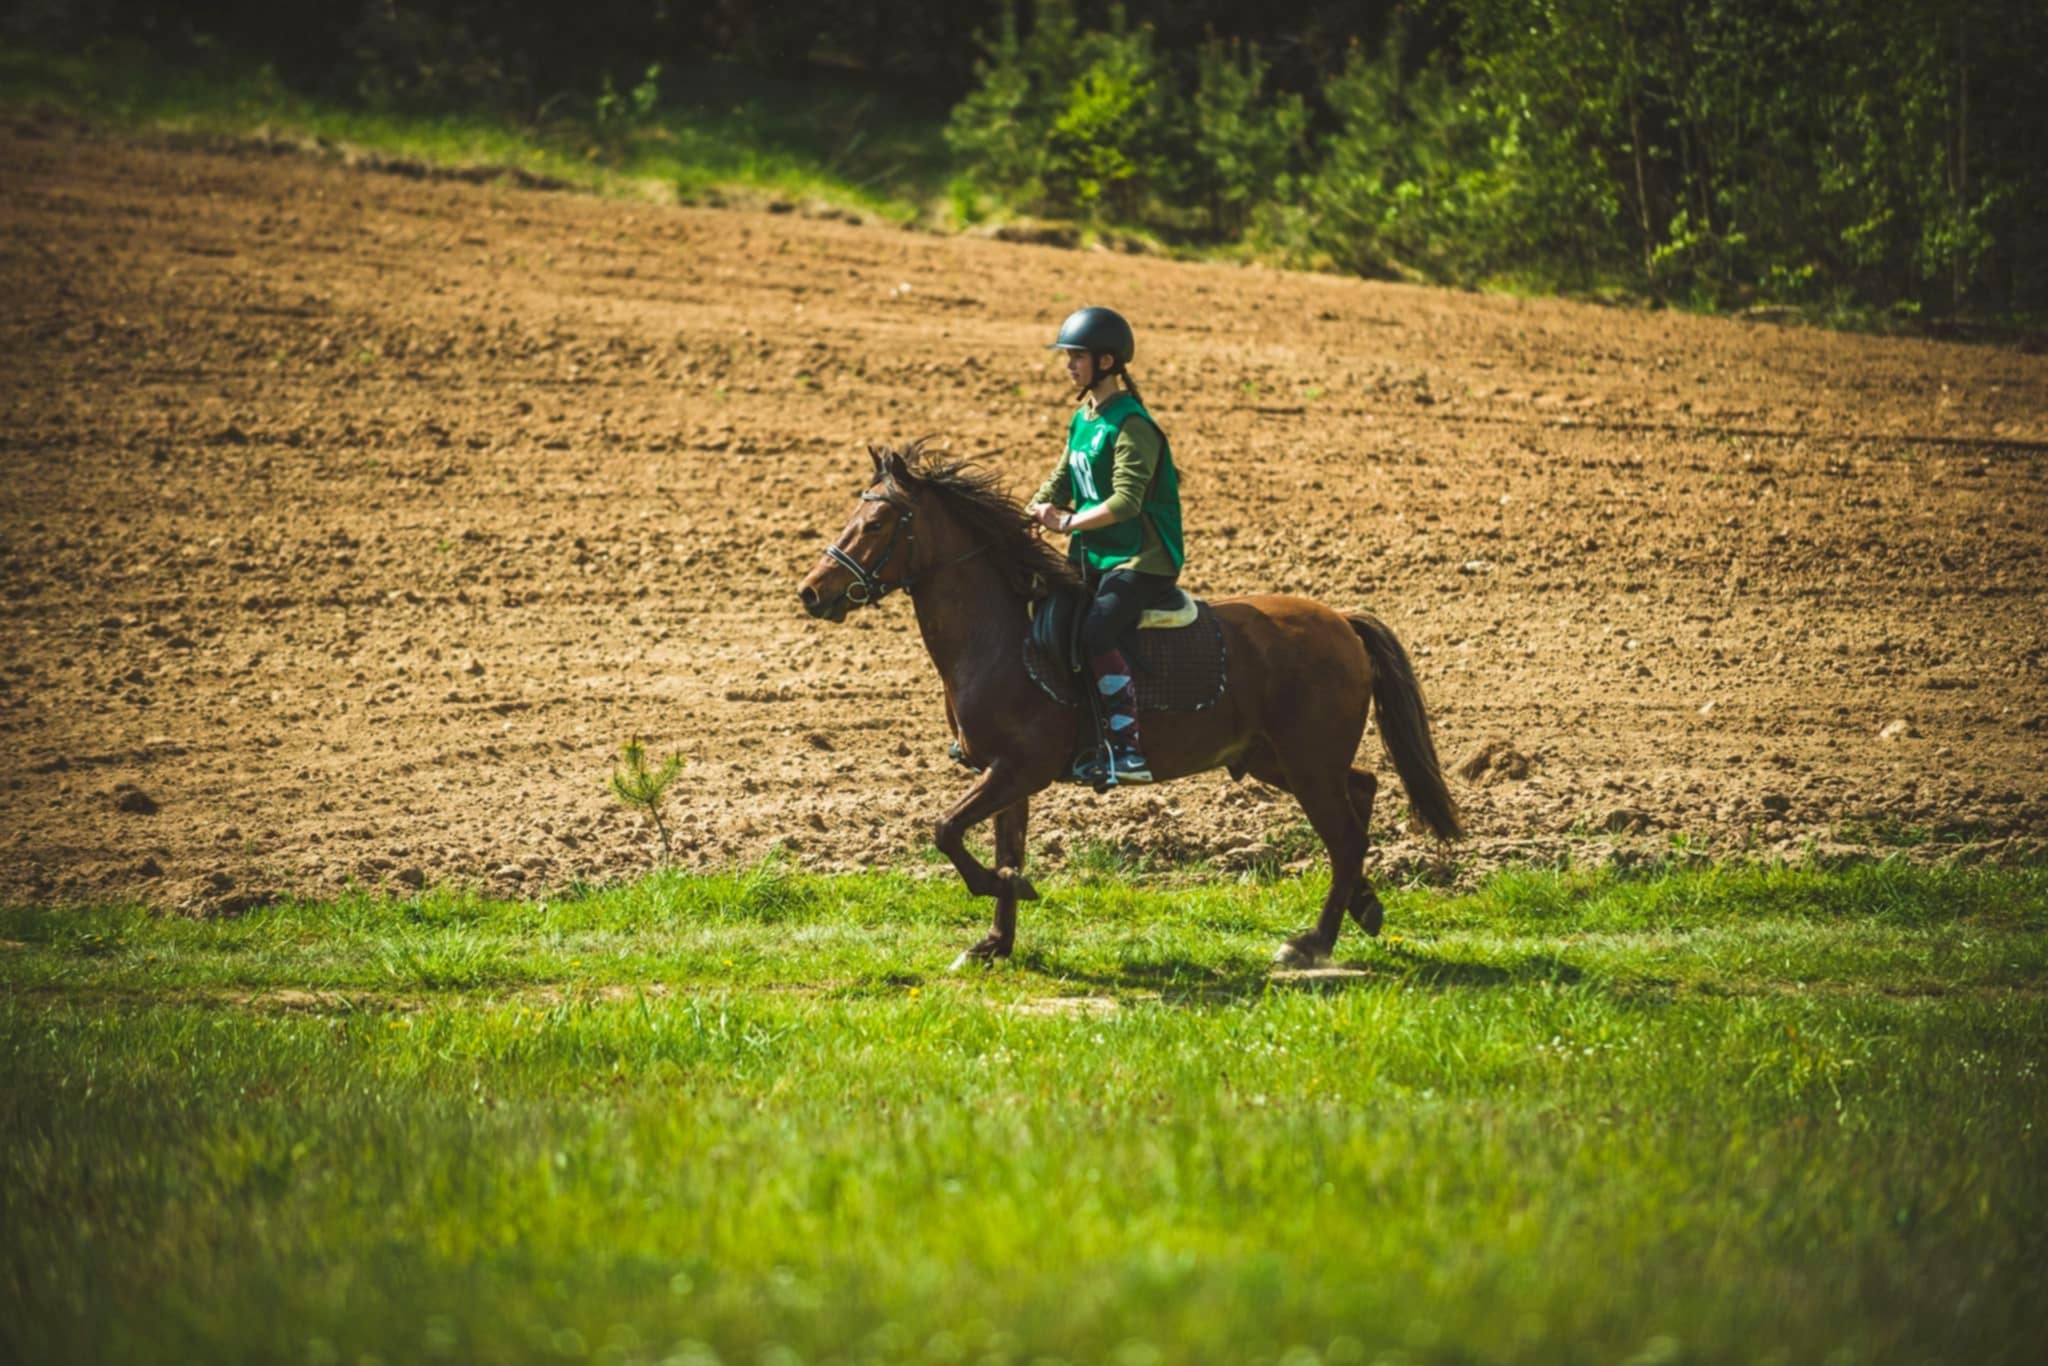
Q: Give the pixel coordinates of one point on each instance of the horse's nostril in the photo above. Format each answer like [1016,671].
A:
[808,596]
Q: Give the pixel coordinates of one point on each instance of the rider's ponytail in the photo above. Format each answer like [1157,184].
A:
[1130,383]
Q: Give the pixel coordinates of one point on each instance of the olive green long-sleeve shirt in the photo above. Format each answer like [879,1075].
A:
[1137,459]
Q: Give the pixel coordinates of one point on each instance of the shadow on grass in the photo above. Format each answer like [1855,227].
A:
[1205,984]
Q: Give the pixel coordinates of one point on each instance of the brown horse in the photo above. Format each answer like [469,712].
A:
[1302,678]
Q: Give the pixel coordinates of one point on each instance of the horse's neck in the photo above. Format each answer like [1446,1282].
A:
[966,609]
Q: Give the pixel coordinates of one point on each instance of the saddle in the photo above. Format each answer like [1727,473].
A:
[1176,652]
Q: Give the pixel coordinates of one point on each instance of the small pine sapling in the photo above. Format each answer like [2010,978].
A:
[639,786]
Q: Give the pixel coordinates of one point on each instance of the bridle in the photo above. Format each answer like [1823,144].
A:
[868,587]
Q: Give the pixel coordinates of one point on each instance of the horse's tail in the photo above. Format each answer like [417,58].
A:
[1404,727]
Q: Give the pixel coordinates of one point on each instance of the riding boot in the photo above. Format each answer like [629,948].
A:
[1118,694]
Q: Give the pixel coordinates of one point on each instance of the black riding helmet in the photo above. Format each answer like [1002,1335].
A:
[1098,331]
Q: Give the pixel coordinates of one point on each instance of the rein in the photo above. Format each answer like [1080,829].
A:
[868,587]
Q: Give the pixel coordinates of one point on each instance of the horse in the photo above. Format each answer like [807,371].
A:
[1302,678]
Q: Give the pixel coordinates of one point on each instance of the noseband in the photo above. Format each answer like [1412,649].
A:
[866,587]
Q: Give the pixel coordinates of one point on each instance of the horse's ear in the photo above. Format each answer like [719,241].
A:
[875,454]
[898,468]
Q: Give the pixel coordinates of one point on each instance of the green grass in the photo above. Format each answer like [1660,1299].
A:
[717,131]
[1738,1113]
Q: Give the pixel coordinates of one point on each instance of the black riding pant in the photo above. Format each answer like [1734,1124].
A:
[1120,597]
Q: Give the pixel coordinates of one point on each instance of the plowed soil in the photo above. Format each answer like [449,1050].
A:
[351,521]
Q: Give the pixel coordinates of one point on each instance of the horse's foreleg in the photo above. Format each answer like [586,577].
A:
[994,791]
[1010,824]
[1002,936]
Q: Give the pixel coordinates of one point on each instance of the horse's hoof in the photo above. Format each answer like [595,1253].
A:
[1300,952]
[1367,911]
[988,953]
[1020,886]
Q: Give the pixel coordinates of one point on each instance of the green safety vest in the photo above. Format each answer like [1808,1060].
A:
[1091,466]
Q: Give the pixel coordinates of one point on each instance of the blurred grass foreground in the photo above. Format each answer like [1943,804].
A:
[1733,1114]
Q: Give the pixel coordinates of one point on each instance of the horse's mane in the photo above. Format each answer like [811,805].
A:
[992,517]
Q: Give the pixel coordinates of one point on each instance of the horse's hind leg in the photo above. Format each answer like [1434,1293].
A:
[1365,903]
[1363,787]
[1326,799]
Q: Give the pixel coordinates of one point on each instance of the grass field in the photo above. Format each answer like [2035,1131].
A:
[712,130]
[1738,1114]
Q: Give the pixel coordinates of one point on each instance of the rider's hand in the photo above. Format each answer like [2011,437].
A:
[1045,514]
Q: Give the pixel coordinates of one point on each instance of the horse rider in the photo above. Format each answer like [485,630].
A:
[1116,493]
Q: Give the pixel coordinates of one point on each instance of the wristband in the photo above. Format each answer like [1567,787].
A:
[1067,522]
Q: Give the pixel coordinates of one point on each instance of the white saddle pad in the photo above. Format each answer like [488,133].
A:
[1178,610]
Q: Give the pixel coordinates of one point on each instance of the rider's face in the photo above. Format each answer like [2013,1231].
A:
[1077,368]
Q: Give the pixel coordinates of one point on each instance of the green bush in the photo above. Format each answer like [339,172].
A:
[1106,133]
[406,58]
[1247,145]
[1727,153]
[1095,125]
[1066,121]
[1411,184]
[1710,153]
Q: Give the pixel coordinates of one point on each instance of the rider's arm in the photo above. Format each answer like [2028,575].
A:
[1058,488]
[1137,460]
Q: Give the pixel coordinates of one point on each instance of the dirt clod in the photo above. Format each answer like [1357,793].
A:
[1493,761]
[1627,820]
[133,800]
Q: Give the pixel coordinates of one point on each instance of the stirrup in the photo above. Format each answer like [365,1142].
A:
[1121,766]
[1093,770]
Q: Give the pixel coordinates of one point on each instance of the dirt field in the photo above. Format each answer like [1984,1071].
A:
[351,521]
